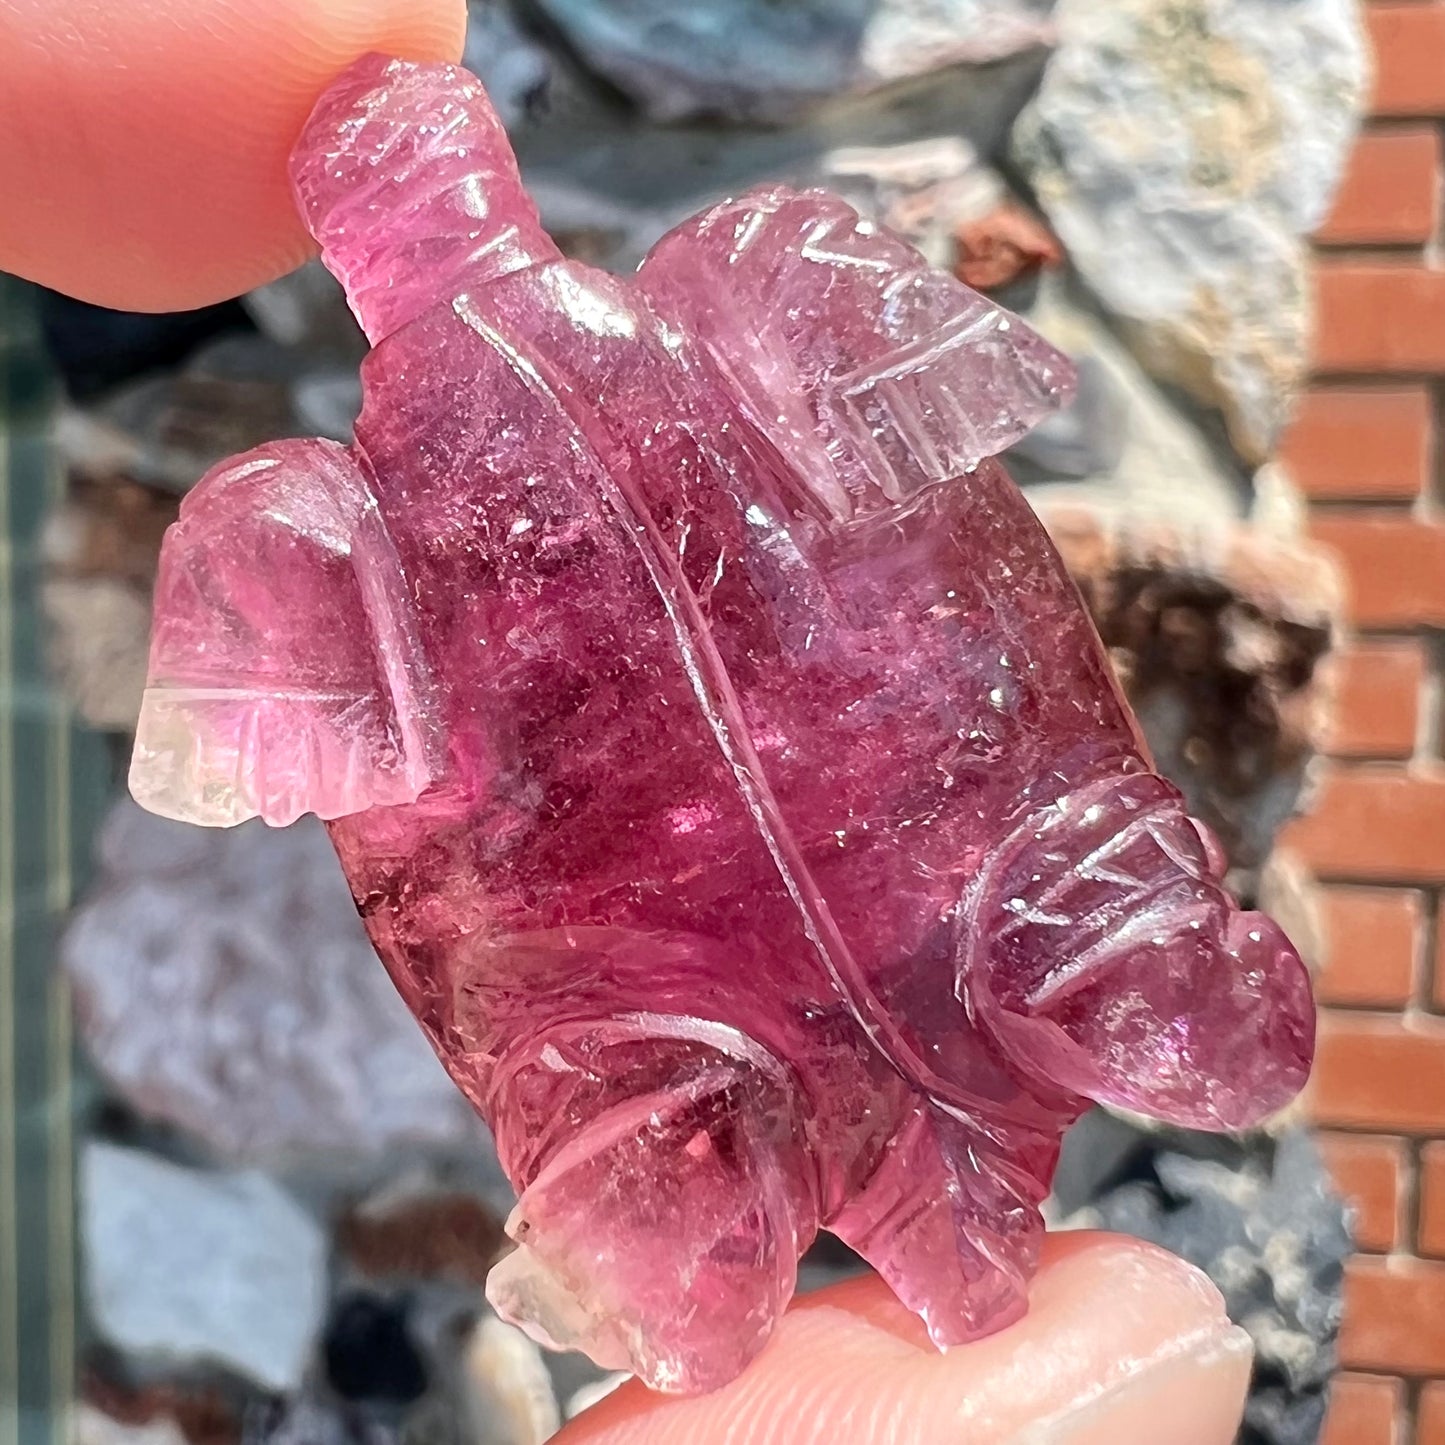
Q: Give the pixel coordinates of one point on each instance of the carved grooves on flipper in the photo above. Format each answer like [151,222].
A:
[521,1156]
[1008,894]
[220,777]
[708,676]
[907,416]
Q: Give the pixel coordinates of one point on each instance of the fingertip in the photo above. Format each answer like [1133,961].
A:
[147,143]
[1119,1336]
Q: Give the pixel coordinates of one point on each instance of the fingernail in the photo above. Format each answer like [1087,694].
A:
[1191,1395]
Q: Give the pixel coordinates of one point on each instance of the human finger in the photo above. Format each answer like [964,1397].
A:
[143,146]
[1123,1345]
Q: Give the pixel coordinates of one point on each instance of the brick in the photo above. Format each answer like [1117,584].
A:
[1394,566]
[1355,443]
[1431,1231]
[1370,1172]
[1394,1316]
[1379,317]
[1438,991]
[1378,1073]
[1377,700]
[1390,193]
[1364,1410]
[1430,1415]
[1369,946]
[1374,823]
[1408,40]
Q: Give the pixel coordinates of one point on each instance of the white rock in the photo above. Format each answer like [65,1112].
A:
[904,38]
[224,984]
[187,1267]
[1182,149]
[594,1392]
[509,1390]
[89,1426]
[920,189]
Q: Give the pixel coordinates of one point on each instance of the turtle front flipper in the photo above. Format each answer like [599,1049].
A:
[286,675]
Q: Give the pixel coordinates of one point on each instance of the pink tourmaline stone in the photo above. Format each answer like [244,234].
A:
[724,765]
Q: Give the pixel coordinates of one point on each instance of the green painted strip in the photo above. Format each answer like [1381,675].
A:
[59,1049]
[9,1286]
[54,783]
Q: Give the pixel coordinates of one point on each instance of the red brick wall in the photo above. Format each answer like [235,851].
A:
[1367,452]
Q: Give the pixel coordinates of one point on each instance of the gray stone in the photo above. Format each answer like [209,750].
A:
[921,186]
[328,402]
[307,308]
[730,57]
[1088,437]
[1260,1217]
[184,1267]
[224,985]
[762,60]
[1123,449]
[514,67]
[165,431]
[609,181]
[1182,149]
[311,1421]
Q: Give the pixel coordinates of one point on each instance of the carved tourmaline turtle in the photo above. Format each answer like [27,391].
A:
[720,756]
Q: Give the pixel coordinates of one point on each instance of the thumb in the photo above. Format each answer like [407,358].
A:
[143,145]
[1123,1345]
